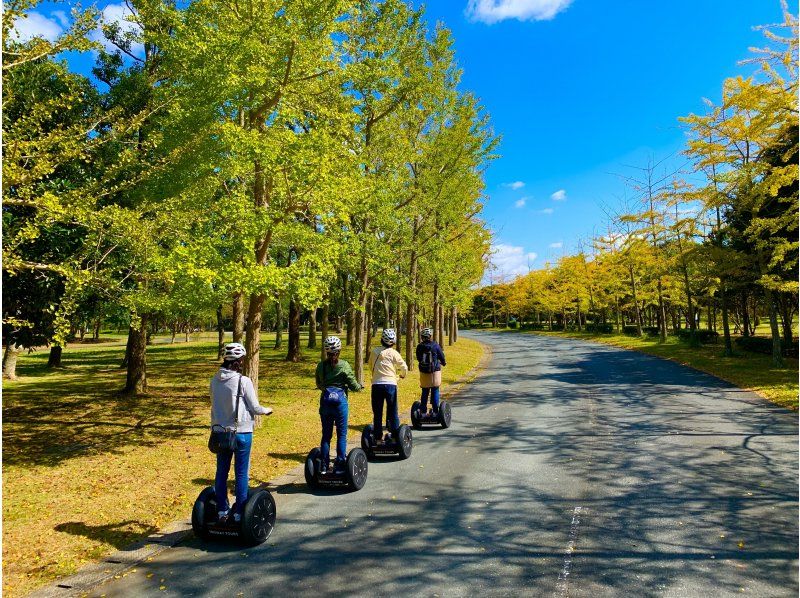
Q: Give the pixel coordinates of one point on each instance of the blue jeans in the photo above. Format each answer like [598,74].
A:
[387,393]
[333,412]
[434,392]
[241,469]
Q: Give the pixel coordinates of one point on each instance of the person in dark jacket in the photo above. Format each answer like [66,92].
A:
[430,358]
[334,377]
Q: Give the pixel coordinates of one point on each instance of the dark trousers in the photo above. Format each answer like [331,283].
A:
[333,413]
[385,393]
[434,393]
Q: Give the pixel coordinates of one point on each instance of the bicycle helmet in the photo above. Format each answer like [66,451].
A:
[333,344]
[388,337]
[427,333]
[234,351]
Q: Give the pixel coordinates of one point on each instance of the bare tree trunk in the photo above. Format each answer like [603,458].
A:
[312,329]
[324,331]
[451,338]
[278,324]
[174,330]
[777,353]
[128,345]
[369,327]
[136,380]
[398,323]
[54,359]
[238,317]
[252,343]
[440,323]
[10,357]
[293,354]
[359,319]
[636,303]
[96,333]
[435,314]
[220,334]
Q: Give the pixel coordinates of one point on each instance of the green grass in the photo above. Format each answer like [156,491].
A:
[87,471]
[752,371]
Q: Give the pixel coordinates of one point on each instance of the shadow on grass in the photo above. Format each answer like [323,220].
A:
[50,416]
[119,535]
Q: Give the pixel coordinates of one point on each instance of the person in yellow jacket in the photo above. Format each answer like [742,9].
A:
[386,364]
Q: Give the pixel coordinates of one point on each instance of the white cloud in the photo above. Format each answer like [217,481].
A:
[558,245]
[559,195]
[119,14]
[515,185]
[507,262]
[520,203]
[493,11]
[35,24]
[546,211]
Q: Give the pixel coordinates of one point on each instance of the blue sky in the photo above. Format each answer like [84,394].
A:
[578,90]
[594,86]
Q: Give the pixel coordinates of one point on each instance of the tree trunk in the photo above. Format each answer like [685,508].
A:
[238,317]
[136,380]
[777,353]
[10,357]
[662,314]
[324,331]
[293,354]
[359,319]
[726,328]
[54,359]
[96,333]
[312,329]
[745,316]
[441,323]
[451,338]
[252,342]
[787,304]
[398,324]
[369,327]
[220,334]
[435,313]
[278,323]
[636,303]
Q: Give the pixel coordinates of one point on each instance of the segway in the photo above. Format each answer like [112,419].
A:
[354,476]
[442,418]
[256,525]
[389,445]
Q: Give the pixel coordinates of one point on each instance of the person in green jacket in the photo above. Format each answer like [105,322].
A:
[334,377]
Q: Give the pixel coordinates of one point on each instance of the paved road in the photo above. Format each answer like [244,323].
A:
[571,469]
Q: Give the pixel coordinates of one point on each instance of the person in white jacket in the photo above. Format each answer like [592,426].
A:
[386,364]
[226,385]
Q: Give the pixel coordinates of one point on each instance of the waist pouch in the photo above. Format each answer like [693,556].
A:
[333,395]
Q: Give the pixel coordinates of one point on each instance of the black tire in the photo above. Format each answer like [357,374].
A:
[204,512]
[366,441]
[416,415]
[404,441]
[258,517]
[312,467]
[357,467]
[445,414]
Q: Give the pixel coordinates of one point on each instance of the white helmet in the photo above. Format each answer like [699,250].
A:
[388,337]
[234,351]
[333,344]
[426,333]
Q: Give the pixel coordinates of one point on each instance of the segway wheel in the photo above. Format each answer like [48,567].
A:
[366,440]
[258,518]
[404,435]
[416,415]
[445,414]
[311,467]
[357,466]
[204,512]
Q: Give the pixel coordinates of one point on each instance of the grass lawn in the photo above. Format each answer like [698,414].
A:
[752,371]
[87,471]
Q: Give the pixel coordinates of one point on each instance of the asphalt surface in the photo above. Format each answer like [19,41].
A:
[571,469]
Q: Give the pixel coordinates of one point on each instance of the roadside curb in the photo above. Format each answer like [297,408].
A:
[121,562]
